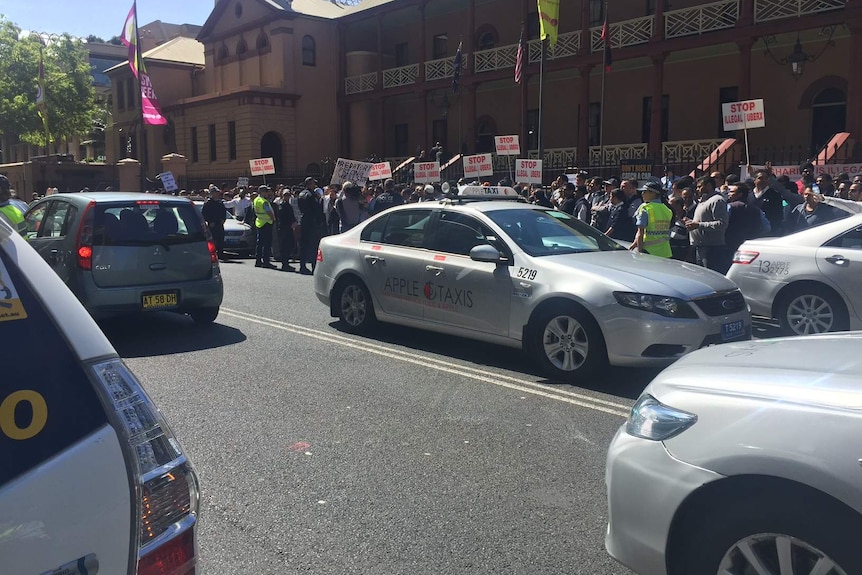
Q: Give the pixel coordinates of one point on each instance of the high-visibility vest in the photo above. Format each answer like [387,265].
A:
[262,217]
[657,233]
[15,217]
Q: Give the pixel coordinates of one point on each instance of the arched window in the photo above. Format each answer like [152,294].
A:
[222,53]
[241,47]
[486,37]
[262,42]
[309,57]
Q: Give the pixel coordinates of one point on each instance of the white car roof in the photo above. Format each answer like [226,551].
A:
[815,236]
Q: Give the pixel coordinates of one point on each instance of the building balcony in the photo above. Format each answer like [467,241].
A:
[701,19]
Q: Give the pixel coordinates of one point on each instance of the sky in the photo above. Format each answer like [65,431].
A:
[103,18]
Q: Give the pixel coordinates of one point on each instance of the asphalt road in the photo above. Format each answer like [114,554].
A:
[403,452]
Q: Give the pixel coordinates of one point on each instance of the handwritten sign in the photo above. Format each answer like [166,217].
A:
[168,181]
[351,171]
[507,145]
[426,172]
[242,182]
[528,171]
[478,166]
[262,166]
[743,115]
[380,171]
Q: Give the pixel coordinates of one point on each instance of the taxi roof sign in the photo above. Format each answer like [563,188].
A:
[488,192]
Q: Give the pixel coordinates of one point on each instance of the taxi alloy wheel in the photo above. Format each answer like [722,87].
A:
[355,309]
[567,342]
[811,311]
[781,552]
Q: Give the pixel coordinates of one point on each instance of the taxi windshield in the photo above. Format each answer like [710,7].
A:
[551,232]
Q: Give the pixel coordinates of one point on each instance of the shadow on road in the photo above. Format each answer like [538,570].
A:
[165,333]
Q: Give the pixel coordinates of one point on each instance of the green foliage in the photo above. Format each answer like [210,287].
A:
[69,95]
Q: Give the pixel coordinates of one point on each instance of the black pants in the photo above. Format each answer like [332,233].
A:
[286,243]
[712,257]
[218,237]
[309,239]
[264,243]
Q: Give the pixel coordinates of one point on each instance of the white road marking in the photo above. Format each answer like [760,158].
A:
[497,379]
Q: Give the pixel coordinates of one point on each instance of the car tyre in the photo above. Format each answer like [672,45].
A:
[354,306]
[783,536]
[810,310]
[204,316]
[567,342]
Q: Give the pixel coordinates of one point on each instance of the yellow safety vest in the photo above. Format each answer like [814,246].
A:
[657,232]
[15,217]
[262,217]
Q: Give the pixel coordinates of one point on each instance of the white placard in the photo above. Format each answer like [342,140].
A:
[350,171]
[242,182]
[528,171]
[743,115]
[507,145]
[426,172]
[262,166]
[168,181]
[478,166]
[380,171]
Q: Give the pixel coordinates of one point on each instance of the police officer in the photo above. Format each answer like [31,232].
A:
[8,211]
[653,220]
[264,218]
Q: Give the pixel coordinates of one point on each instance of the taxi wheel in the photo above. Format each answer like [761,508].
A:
[355,309]
[567,342]
[810,310]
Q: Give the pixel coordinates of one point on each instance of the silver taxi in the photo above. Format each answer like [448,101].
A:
[523,276]
[810,281]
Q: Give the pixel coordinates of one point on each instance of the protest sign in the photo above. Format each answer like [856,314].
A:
[639,169]
[380,171]
[426,172]
[528,171]
[507,145]
[350,171]
[168,181]
[478,166]
[262,166]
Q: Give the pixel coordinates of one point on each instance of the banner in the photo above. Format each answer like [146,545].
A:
[528,171]
[261,166]
[151,110]
[426,172]
[507,145]
[549,20]
[792,172]
[380,171]
[478,166]
[640,170]
[350,171]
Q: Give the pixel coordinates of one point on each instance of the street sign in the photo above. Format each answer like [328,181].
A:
[380,171]
[351,171]
[168,181]
[507,145]
[743,115]
[426,172]
[262,166]
[478,166]
[528,171]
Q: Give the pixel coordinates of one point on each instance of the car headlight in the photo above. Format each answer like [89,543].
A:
[660,304]
[653,420]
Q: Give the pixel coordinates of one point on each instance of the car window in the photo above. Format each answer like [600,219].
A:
[144,223]
[848,240]
[551,232]
[57,220]
[401,228]
[458,233]
[34,218]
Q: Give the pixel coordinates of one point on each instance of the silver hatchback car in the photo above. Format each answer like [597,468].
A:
[125,253]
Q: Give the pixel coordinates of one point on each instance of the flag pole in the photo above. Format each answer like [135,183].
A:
[139,56]
[602,104]
[544,43]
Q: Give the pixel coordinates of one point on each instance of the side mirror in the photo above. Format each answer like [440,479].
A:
[486,253]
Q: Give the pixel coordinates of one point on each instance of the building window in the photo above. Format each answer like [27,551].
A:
[646,119]
[309,56]
[533,129]
[725,96]
[231,140]
[439,133]
[262,42]
[595,124]
[440,47]
[597,12]
[486,38]
[212,143]
[195,156]
[401,139]
[121,96]
[130,94]
[241,47]
[222,53]
[400,54]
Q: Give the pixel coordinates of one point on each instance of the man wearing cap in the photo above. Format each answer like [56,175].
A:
[653,220]
[7,210]
[264,218]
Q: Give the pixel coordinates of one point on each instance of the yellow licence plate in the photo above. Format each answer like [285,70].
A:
[160,300]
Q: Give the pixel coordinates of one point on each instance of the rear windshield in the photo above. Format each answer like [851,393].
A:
[142,223]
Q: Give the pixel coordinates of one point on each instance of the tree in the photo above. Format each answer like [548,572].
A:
[69,95]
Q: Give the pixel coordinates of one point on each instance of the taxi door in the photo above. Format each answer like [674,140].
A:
[392,258]
[459,292]
[840,260]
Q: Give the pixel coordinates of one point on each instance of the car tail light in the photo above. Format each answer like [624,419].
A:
[319,255]
[165,486]
[213,251]
[84,242]
[744,257]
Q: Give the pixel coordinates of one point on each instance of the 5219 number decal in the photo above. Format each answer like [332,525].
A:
[527,273]
[39,409]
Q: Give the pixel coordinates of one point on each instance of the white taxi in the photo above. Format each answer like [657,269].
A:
[92,480]
[486,265]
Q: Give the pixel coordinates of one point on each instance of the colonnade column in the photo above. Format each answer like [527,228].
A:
[656,119]
[584,115]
